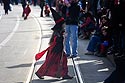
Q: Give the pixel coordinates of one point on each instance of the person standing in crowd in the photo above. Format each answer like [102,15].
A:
[23,2]
[42,4]
[71,13]
[118,35]
[6,4]
[55,64]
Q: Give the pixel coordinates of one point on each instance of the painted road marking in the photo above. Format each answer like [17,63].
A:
[30,75]
[0,15]
[10,35]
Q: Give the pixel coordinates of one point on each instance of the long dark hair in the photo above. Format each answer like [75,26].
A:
[52,37]
[56,32]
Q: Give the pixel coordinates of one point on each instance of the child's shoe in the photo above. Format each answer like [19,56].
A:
[67,77]
[89,53]
[39,76]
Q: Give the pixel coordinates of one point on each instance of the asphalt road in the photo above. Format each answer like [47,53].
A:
[19,42]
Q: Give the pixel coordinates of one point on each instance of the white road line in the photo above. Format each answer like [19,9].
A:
[10,35]
[30,75]
[80,76]
[0,15]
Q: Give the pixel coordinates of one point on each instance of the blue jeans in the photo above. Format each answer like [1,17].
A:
[71,39]
[94,41]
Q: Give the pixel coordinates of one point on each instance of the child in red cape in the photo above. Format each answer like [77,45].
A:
[27,11]
[55,64]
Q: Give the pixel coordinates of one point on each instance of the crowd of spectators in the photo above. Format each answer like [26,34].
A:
[103,22]
[94,24]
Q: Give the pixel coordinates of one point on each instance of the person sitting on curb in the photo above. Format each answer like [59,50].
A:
[88,25]
[105,42]
[96,37]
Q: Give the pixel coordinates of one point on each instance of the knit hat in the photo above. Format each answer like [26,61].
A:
[57,18]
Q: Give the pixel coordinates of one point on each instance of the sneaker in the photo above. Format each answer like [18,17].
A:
[73,56]
[39,76]
[67,77]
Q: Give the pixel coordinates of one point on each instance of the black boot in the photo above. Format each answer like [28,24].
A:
[67,77]
[25,18]
[39,76]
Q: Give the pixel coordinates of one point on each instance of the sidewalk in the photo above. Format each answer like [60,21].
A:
[93,69]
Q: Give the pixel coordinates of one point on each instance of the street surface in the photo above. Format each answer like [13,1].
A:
[19,42]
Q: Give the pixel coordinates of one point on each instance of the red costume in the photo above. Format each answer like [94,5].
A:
[27,11]
[55,64]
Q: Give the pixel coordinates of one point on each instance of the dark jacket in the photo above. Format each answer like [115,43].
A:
[72,15]
[42,3]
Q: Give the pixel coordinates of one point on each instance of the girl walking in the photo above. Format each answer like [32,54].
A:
[55,64]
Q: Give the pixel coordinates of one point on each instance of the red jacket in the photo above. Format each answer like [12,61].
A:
[27,10]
